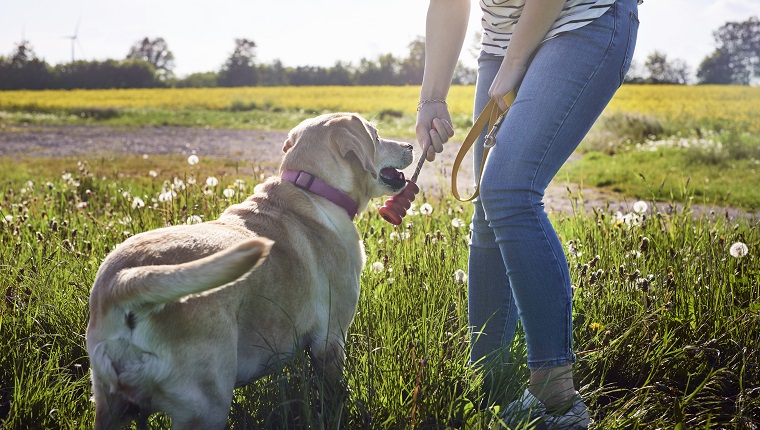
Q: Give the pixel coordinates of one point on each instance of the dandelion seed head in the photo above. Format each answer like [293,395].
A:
[229,192]
[377,267]
[153,173]
[640,207]
[166,195]
[193,219]
[192,160]
[212,181]
[457,223]
[426,209]
[460,277]
[738,250]
[138,203]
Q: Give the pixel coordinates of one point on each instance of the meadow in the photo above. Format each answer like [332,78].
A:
[703,139]
[666,303]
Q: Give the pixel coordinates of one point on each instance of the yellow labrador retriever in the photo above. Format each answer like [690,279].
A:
[179,316]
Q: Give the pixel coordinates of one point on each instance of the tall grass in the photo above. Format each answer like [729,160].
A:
[667,321]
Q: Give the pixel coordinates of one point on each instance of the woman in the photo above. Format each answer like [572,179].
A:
[566,58]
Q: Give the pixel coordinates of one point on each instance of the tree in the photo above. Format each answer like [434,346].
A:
[736,59]
[413,66]
[23,70]
[664,71]
[273,75]
[155,52]
[240,70]
[716,69]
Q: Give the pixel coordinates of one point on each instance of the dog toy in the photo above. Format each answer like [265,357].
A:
[395,207]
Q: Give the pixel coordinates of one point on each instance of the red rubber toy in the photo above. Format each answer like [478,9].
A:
[395,207]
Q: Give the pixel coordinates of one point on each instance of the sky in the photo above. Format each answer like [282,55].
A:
[201,34]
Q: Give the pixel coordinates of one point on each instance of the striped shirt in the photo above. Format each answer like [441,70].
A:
[500,17]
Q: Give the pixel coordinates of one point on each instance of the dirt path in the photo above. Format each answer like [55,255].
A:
[263,147]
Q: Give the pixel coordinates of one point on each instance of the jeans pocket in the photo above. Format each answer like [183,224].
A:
[633,30]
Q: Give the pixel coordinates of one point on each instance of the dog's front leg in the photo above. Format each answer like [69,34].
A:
[328,357]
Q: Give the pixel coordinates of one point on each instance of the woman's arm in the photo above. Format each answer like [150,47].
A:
[445,32]
[535,21]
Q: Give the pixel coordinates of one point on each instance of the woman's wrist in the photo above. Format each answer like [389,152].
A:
[424,101]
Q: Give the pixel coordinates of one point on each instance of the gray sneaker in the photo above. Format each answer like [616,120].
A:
[529,412]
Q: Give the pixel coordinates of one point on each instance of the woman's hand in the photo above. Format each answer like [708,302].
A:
[507,78]
[433,127]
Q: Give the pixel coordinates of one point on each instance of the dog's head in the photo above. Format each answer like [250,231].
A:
[344,150]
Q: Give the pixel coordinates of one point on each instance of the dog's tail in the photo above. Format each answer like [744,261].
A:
[155,285]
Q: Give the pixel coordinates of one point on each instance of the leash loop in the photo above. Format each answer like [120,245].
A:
[490,117]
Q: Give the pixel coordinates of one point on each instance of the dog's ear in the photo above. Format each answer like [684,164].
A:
[289,142]
[352,138]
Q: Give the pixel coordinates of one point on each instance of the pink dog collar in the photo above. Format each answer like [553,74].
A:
[309,182]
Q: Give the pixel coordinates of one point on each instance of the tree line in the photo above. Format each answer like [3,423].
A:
[149,63]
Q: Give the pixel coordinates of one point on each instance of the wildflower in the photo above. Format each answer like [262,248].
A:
[240,184]
[426,209]
[192,160]
[595,326]
[194,219]
[212,181]
[412,211]
[460,277]
[377,267]
[138,203]
[457,223]
[178,184]
[574,249]
[166,195]
[640,207]
[191,181]
[8,218]
[153,173]
[66,176]
[738,250]
[229,192]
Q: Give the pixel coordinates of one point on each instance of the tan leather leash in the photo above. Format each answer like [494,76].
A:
[492,117]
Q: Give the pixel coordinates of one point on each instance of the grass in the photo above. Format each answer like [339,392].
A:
[667,322]
[650,142]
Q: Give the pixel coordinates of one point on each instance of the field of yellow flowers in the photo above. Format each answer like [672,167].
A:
[720,107]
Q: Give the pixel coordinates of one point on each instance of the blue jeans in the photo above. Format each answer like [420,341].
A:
[517,265]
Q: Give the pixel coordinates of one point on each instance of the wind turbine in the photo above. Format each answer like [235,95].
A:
[75,39]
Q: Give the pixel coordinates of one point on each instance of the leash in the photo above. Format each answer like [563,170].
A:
[492,117]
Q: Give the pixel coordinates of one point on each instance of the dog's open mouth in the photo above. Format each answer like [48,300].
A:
[393,178]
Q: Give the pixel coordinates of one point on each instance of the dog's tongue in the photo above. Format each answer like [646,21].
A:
[391,173]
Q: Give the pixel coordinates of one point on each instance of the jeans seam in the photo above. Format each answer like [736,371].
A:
[626,62]
[564,120]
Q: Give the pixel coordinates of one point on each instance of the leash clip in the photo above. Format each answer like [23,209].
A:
[490,140]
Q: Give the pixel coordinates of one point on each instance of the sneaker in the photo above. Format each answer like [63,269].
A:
[529,410]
